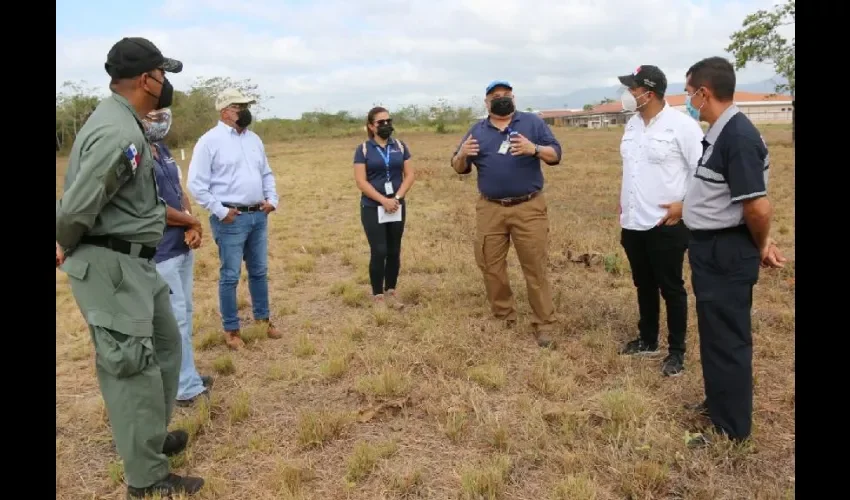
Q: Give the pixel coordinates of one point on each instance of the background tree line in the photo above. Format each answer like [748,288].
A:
[757,41]
[194,113]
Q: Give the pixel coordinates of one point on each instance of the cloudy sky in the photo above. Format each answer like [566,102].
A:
[337,54]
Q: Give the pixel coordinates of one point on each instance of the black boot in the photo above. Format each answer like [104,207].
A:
[171,485]
[175,442]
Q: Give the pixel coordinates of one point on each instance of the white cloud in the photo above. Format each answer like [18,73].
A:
[335,55]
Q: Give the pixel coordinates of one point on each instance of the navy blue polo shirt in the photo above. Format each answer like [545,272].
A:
[168,184]
[504,175]
[734,167]
[377,168]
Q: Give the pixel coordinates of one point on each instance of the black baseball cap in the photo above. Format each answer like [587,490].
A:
[132,56]
[648,77]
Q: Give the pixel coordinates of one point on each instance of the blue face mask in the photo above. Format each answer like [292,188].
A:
[694,112]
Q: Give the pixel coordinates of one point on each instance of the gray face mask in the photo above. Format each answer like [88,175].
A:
[157,124]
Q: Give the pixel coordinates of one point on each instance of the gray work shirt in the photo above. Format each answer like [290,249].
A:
[733,168]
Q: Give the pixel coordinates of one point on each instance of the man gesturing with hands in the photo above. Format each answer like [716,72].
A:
[507,147]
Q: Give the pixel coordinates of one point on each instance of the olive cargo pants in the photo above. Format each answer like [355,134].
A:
[137,349]
[527,224]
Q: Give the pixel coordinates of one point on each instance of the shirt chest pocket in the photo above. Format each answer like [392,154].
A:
[628,145]
[661,147]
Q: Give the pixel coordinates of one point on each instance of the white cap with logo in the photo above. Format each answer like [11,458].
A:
[232,96]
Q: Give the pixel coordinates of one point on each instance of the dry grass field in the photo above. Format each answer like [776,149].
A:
[438,401]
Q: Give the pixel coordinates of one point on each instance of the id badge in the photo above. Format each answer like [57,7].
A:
[388,188]
[504,147]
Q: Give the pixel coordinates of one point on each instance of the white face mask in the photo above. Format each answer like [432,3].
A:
[629,101]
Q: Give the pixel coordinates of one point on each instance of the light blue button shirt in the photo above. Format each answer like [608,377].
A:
[229,167]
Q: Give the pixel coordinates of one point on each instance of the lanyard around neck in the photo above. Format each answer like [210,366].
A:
[385,157]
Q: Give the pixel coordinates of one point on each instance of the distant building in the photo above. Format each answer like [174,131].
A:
[760,108]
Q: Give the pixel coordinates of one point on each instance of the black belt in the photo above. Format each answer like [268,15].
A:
[509,202]
[242,208]
[707,234]
[122,246]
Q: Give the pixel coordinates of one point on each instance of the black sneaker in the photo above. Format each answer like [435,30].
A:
[171,485]
[207,381]
[701,408]
[185,403]
[640,348]
[175,442]
[674,364]
[698,441]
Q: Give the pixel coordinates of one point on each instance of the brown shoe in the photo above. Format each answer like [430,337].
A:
[233,340]
[273,332]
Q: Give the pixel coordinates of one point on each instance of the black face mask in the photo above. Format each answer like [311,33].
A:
[502,106]
[385,131]
[166,95]
[244,118]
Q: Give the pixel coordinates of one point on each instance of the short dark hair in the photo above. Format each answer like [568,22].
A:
[716,73]
[370,118]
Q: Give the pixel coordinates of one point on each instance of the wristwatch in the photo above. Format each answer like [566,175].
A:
[397,197]
[536,150]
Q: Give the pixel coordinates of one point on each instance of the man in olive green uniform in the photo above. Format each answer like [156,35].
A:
[108,223]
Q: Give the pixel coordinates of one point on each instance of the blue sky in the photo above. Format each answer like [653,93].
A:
[350,54]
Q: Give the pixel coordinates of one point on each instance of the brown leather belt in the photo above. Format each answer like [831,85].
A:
[509,202]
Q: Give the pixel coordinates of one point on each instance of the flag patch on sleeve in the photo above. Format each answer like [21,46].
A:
[132,155]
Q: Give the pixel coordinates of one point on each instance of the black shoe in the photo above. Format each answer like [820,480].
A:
[544,340]
[674,364]
[185,403]
[171,485]
[701,408]
[639,348]
[698,441]
[207,381]
[175,442]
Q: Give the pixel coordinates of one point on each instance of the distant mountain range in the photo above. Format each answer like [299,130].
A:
[578,98]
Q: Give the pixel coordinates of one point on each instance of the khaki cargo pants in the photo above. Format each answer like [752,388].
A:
[527,224]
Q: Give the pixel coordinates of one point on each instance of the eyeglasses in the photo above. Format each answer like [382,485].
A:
[388,121]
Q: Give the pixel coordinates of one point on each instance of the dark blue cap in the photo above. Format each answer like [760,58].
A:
[498,83]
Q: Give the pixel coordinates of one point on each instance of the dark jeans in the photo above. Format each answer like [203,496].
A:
[656,257]
[385,246]
[724,269]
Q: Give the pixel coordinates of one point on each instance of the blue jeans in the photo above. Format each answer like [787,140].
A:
[245,238]
[178,273]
